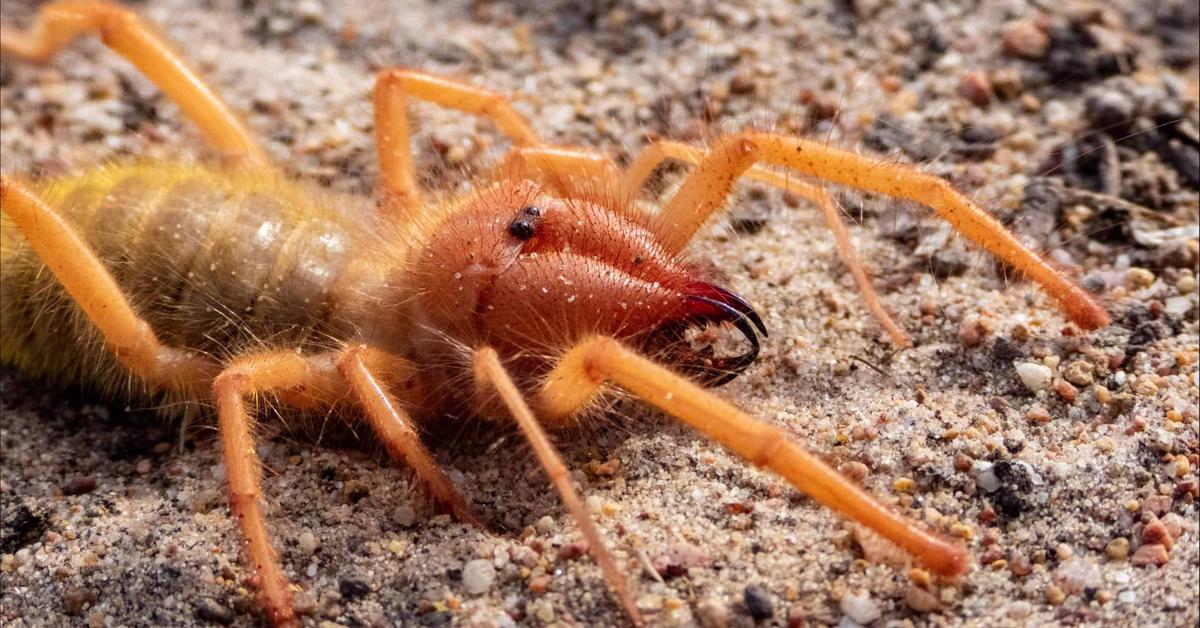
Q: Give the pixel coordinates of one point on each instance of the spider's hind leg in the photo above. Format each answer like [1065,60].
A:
[125,33]
[94,290]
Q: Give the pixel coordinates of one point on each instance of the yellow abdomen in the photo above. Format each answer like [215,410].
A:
[216,261]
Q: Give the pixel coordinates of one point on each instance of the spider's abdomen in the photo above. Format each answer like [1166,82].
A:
[217,262]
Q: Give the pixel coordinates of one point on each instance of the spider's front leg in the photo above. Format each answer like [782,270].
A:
[703,193]
[490,375]
[662,150]
[585,369]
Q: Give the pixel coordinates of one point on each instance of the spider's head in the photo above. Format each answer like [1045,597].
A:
[530,274]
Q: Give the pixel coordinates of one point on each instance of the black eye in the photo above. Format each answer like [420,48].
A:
[522,228]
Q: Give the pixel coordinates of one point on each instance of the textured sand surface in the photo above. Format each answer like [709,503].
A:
[105,523]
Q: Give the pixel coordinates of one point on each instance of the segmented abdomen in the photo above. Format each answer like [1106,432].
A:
[215,261]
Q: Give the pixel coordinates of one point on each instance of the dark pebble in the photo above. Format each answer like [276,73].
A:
[979,134]
[758,603]
[20,526]
[79,486]
[1015,485]
[1006,350]
[1111,112]
[353,589]
[212,611]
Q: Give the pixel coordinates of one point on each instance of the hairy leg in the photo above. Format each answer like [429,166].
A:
[656,153]
[703,193]
[575,173]
[122,31]
[490,374]
[245,377]
[393,88]
[358,373]
[363,369]
[585,369]
[93,288]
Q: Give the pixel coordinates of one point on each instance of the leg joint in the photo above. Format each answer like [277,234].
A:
[231,381]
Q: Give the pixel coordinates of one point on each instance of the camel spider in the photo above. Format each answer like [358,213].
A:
[372,311]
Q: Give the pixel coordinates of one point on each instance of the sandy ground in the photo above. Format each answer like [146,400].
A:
[1063,495]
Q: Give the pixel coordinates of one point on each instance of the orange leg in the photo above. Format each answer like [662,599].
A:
[654,154]
[585,369]
[393,87]
[122,30]
[253,375]
[93,288]
[394,426]
[307,382]
[704,191]
[490,374]
[575,173]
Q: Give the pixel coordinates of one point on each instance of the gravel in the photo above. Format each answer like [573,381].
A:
[152,542]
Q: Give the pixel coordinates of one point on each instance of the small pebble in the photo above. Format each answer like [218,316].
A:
[855,471]
[976,88]
[712,613]
[1155,533]
[308,542]
[1079,372]
[758,602]
[1147,555]
[213,611]
[1109,111]
[650,603]
[1037,414]
[1076,575]
[1118,548]
[1019,610]
[1177,306]
[860,607]
[1186,284]
[404,516]
[1138,277]
[544,525]
[1055,595]
[79,485]
[75,599]
[1025,40]
[987,480]
[571,551]
[920,600]
[1008,84]
[477,576]
[1036,377]
[972,332]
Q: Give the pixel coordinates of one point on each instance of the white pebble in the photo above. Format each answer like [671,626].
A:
[987,480]
[477,576]
[1019,610]
[1127,596]
[544,525]
[860,607]
[308,542]
[1035,376]
[1177,306]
